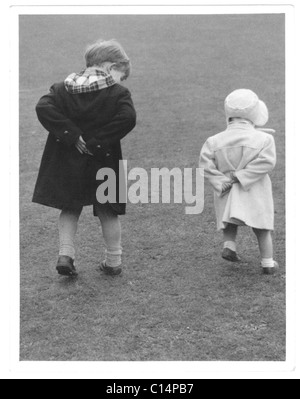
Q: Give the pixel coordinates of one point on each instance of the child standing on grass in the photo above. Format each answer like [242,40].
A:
[237,163]
[86,116]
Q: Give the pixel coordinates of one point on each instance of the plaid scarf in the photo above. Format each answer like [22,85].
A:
[90,79]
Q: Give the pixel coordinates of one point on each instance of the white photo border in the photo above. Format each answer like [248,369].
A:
[138,370]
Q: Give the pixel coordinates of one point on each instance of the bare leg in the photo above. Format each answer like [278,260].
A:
[230,233]
[265,243]
[68,223]
[229,251]
[111,229]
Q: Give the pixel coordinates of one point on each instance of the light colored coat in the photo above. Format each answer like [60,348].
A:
[252,155]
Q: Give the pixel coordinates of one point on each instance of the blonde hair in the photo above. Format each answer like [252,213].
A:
[108,51]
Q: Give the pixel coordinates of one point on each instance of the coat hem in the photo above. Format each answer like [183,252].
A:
[244,225]
[61,207]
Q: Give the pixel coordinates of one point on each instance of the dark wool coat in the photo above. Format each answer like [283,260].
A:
[67,178]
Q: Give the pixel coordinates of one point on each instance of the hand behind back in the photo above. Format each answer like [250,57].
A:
[81,146]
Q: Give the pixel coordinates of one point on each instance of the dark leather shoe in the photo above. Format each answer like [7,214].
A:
[110,271]
[230,255]
[65,266]
[271,270]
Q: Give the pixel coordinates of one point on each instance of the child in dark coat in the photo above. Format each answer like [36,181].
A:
[86,115]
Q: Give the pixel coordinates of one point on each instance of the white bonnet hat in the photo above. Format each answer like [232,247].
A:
[245,104]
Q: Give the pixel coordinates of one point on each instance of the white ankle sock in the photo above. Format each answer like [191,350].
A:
[67,249]
[267,262]
[230,245]
[113,257]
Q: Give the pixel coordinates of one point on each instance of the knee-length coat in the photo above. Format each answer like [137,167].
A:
[66,177]
[251,154]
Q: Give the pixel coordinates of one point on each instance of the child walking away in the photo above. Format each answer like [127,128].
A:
[237,163]
[86,116]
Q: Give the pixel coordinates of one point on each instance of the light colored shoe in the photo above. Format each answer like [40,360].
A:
[271,270]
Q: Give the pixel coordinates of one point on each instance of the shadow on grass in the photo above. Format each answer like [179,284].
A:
[66,282]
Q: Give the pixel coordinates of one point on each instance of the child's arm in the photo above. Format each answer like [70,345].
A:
[120,125]
[260,166]
[216,178]
[55,121]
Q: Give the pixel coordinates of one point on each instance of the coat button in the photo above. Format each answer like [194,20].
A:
[57,140]
[108,154]
[66,132]
[98,146]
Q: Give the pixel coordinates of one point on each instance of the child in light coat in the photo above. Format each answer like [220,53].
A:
[237,163]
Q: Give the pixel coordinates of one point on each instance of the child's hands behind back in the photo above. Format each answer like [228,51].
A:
[233,177]
[226,187]
[81,146]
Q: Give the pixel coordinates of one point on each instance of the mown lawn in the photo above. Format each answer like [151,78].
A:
[177,299]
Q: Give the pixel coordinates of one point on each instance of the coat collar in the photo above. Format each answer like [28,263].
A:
[240,121]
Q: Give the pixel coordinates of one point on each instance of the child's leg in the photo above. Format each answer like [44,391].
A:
[111,229]
[230,234]
[68,222]
[229,251]
[265,243]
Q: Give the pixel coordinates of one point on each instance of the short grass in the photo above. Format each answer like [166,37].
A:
[177,299]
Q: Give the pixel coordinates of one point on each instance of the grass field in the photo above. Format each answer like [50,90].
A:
[177,299]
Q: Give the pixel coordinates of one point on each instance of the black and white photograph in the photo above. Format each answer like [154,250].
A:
[152,163]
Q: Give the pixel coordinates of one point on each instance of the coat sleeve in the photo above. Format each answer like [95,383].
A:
[53,120]
[260,166]
[121,124]
[209,167]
